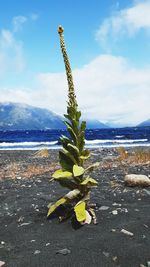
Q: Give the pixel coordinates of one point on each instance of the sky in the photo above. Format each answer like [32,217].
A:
[108,43]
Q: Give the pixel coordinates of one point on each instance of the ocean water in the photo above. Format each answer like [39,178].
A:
[97,138]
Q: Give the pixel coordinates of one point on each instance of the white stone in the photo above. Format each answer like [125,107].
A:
[114,212]
[2,263]
[137,179]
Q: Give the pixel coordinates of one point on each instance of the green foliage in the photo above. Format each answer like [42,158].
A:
[73,153]
[89,182]
[61,174]
[80,211]
[78,171]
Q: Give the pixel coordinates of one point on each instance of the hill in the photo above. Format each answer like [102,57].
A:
[144,123]
[17,116]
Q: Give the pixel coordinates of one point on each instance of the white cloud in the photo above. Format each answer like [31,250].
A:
[11,49]
[17,22]
[107,88]
[11,53]
[125,22]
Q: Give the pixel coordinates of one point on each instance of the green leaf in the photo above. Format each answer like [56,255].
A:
[66,199]
[65,141]
[74,151]
[85,154]
[67,117]
[78,115]
[65,161]
[68,124]
[89,181]
[73,135]
[80,211]
[83,126]
[78,170]
[53,207]
[61,174]
[69,155]
[75,125]
[81,141]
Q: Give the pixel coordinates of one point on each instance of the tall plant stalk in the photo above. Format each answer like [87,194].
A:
[72,174]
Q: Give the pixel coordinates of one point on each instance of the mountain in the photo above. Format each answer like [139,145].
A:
[95,124]
[17,116]
[144,123]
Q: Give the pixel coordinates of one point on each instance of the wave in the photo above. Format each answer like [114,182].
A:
[27,144]
[99,141]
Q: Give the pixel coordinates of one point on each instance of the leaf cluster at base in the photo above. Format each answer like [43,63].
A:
[72,174]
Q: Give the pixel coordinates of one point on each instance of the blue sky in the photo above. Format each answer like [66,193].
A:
[109,47]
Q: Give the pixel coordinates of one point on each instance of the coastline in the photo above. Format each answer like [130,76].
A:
[32,240]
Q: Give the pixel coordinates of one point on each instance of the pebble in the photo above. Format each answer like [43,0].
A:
[47,244]
[24,224]
[117,204]
[126,232]
[104,208]
[114,212]
[115,258]
[37,252]
[2,263]
[63,251]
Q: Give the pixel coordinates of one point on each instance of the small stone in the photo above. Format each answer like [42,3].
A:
[113,230]
[20,219]
[24,224]
[47,244]
[37,252]
[137,179]
[116,204]
[126,232]
[115,258]
[104,208]
[114,212]
[32,240]
[2,263]
[63,251]
[106,254]
[2,243]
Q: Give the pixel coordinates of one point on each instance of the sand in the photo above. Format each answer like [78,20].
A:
[29,239]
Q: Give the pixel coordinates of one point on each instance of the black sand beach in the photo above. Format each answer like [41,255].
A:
[28,239]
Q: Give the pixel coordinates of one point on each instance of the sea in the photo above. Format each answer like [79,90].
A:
[94,138]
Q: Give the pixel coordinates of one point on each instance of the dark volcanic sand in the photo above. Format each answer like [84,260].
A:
[28,239]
